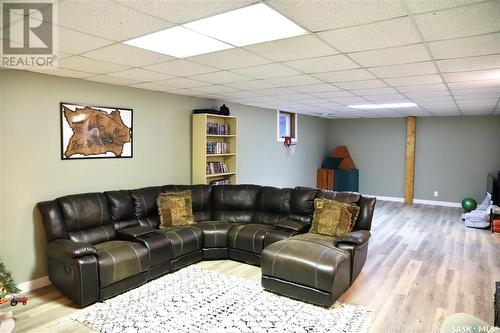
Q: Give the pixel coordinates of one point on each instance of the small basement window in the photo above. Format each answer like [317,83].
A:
[287,125]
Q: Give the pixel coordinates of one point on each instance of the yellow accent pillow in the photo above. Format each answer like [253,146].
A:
[331,218]
[175,209]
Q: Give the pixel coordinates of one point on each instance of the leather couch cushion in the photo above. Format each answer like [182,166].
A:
[345,197]
[302,204]
[145,207]
[274,200]
[184,240]
[235,197]
[248,237]
[119,260]
[82,211]
[215,233]
[306,263]
[121,205]
[93,235]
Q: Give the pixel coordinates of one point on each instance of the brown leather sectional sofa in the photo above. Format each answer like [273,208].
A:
[103,244]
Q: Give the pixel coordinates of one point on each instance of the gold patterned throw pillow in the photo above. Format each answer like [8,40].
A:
[175,209]
[354,210]
[331,218]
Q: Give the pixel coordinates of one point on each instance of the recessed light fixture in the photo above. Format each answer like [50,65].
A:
[383,106]
[248,25]
[178,42]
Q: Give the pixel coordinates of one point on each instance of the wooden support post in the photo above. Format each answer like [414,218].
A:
[410,159]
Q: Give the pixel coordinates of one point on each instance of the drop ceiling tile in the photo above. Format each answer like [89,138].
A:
[181,82]
[107,19]
[250,85]
[476,112]
[307,46]
[214,89]
[469,64]
[474,84]
[478,102]
[492,74]
[365,84]
[61,72]
[414,80]
[427,94]
[240,94]
[316,88]
[374,91]
[267,71]
[220,77]
[348,100]
[478,91]
[385,98]
[75,42]
[326,15]
[333,94]
[392,56]
[112,80]
[460,22]
[466,47]
[418,68]
[181,67]
[348,75]
[128,55]
[149,86]
[419,6]
[323,64]
[276,91]
[188,92]
[395,32]
[88,65]
[428,87]
[230,59]
[475,96]
[182,11]
[290,81]
[142,75]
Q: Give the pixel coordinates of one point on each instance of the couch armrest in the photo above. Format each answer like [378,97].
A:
[134,232]
[358,237]
[291,225]
[68,248]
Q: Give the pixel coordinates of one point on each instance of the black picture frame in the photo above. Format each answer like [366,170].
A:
[126,116]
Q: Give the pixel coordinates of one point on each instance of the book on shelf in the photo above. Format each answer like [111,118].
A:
[221,182]
[218,148]
[214,168]
[218,129]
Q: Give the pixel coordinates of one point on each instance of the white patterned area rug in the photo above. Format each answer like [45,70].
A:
[195,299]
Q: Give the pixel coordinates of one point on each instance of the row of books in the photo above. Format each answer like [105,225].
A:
[218,148]
[216,167]
[220,182]
[218,129]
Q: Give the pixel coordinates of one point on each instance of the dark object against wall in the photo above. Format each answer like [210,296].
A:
[223,111]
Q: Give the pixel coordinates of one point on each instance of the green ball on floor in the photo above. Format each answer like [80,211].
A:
[469,204]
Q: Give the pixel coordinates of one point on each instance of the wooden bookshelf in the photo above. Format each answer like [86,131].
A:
[200,156]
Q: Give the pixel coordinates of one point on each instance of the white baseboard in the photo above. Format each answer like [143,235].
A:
[34,284]
[421,201]
[437,203]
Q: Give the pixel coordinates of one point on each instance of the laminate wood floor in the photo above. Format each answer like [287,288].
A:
[422,266]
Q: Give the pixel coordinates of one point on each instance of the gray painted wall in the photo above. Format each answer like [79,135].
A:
[31,169]
[453,154]
[264,160]
[377,147]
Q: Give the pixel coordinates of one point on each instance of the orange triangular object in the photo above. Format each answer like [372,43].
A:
[340,152]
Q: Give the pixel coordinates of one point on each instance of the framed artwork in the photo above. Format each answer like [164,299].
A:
[95,132]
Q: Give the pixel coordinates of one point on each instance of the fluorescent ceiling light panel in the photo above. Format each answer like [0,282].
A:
[248,25]
[383,106]
[178,42]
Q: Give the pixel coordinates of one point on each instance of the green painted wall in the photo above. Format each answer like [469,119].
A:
[31,169]
[453,154]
